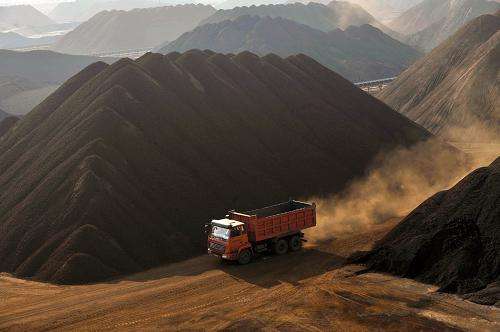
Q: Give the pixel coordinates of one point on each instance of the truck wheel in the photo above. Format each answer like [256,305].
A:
[281,247]
[295,243]
[245,257]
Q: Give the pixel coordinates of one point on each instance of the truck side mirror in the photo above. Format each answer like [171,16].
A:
[206,228]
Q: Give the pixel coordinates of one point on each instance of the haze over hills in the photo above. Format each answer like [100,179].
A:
[358,53]
[9,40]
[458,228]
[82,10]
[385,10]
[326,18]
[26,78]
[12,17]
[454,91]
[128,161]
[112,31]
[433,21]
[23,26]
[230,4]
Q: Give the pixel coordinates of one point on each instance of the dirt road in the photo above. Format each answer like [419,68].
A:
[307,291]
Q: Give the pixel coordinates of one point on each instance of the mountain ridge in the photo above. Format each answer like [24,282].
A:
[119,30]
[358,53]
[337,14]
[433,21]
[457,91]
[18,16]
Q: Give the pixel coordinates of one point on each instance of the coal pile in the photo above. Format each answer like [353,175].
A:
[119,168]
[451,240]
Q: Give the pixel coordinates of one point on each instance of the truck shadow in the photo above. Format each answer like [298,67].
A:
[270,270]
[265,271]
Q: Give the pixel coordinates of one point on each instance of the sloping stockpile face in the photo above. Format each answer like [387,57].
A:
[452,239]
[117,170]
[456,85]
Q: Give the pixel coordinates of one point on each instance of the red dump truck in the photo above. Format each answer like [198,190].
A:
[276,228]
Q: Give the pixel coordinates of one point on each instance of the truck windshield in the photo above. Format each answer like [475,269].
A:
[221,232]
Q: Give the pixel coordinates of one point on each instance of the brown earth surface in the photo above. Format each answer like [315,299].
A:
[306,291]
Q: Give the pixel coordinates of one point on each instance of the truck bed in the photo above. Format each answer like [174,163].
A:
[277,220]
[277,209]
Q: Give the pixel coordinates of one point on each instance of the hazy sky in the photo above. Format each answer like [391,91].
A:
[20,2]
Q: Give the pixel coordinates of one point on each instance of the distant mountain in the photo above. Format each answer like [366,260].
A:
[112,31]
[451,240]
[326,18]
[432,21]
[83,10]
[12,40]
[454,90]
[118,169]
[12,17]
[230,4]
[358,53]
[26,78]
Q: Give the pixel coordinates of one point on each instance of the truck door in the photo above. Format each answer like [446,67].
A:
[239,238]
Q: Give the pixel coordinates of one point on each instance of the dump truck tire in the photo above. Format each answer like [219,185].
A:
[281,247]
[295,243]
[244,257]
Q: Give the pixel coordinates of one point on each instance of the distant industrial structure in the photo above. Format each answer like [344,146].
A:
[375,85]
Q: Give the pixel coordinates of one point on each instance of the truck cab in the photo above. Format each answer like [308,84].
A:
[228,239]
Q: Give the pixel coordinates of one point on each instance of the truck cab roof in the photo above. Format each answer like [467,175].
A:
[227,223]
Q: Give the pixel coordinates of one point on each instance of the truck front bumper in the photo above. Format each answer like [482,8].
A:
[230,256]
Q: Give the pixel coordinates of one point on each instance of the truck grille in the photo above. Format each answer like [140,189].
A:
[217,248]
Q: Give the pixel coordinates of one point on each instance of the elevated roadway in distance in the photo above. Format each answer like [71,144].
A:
[375,85]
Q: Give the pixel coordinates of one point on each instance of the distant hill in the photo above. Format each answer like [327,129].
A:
[358,53]
[12,17]
[433,21]
[118,169]
[112,31]
[451,239]
[10,40]
[26,78]
[326,18]
[44,66]
[455,87]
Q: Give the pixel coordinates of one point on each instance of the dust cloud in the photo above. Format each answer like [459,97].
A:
[398,182]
